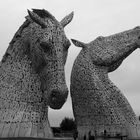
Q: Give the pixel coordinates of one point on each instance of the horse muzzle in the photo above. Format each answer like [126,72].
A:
[58,98]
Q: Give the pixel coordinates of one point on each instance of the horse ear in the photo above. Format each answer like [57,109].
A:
[37,19]
[44,13]
[67,19]
[78,43]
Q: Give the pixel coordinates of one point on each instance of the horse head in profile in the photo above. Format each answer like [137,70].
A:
[97,103]
[32,69]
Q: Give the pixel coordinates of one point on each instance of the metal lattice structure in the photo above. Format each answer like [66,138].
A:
[32,76]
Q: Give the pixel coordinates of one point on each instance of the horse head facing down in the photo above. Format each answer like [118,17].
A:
[48,47]
[110,51]
[42,39]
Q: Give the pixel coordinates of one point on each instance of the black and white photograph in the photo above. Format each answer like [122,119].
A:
[70,69]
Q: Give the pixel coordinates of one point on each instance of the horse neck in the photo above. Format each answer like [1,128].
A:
[16,57]
[18,79]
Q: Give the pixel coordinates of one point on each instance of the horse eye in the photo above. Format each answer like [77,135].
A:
[45,46]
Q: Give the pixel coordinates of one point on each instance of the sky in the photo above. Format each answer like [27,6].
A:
[92,18]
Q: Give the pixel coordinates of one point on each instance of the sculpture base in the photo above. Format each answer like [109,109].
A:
[29,138]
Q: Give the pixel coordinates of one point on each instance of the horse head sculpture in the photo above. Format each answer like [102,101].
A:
[32,75]
[99,106]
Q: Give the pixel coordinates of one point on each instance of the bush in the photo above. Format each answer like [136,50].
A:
[68,124]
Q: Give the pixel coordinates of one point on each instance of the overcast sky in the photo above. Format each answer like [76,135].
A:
[92,18]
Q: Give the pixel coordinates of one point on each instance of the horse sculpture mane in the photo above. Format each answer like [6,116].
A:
[99,106]
[32,76]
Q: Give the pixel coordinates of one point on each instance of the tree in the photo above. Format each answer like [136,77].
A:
[68,124]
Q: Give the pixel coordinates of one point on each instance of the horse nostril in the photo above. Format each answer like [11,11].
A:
[55,93]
